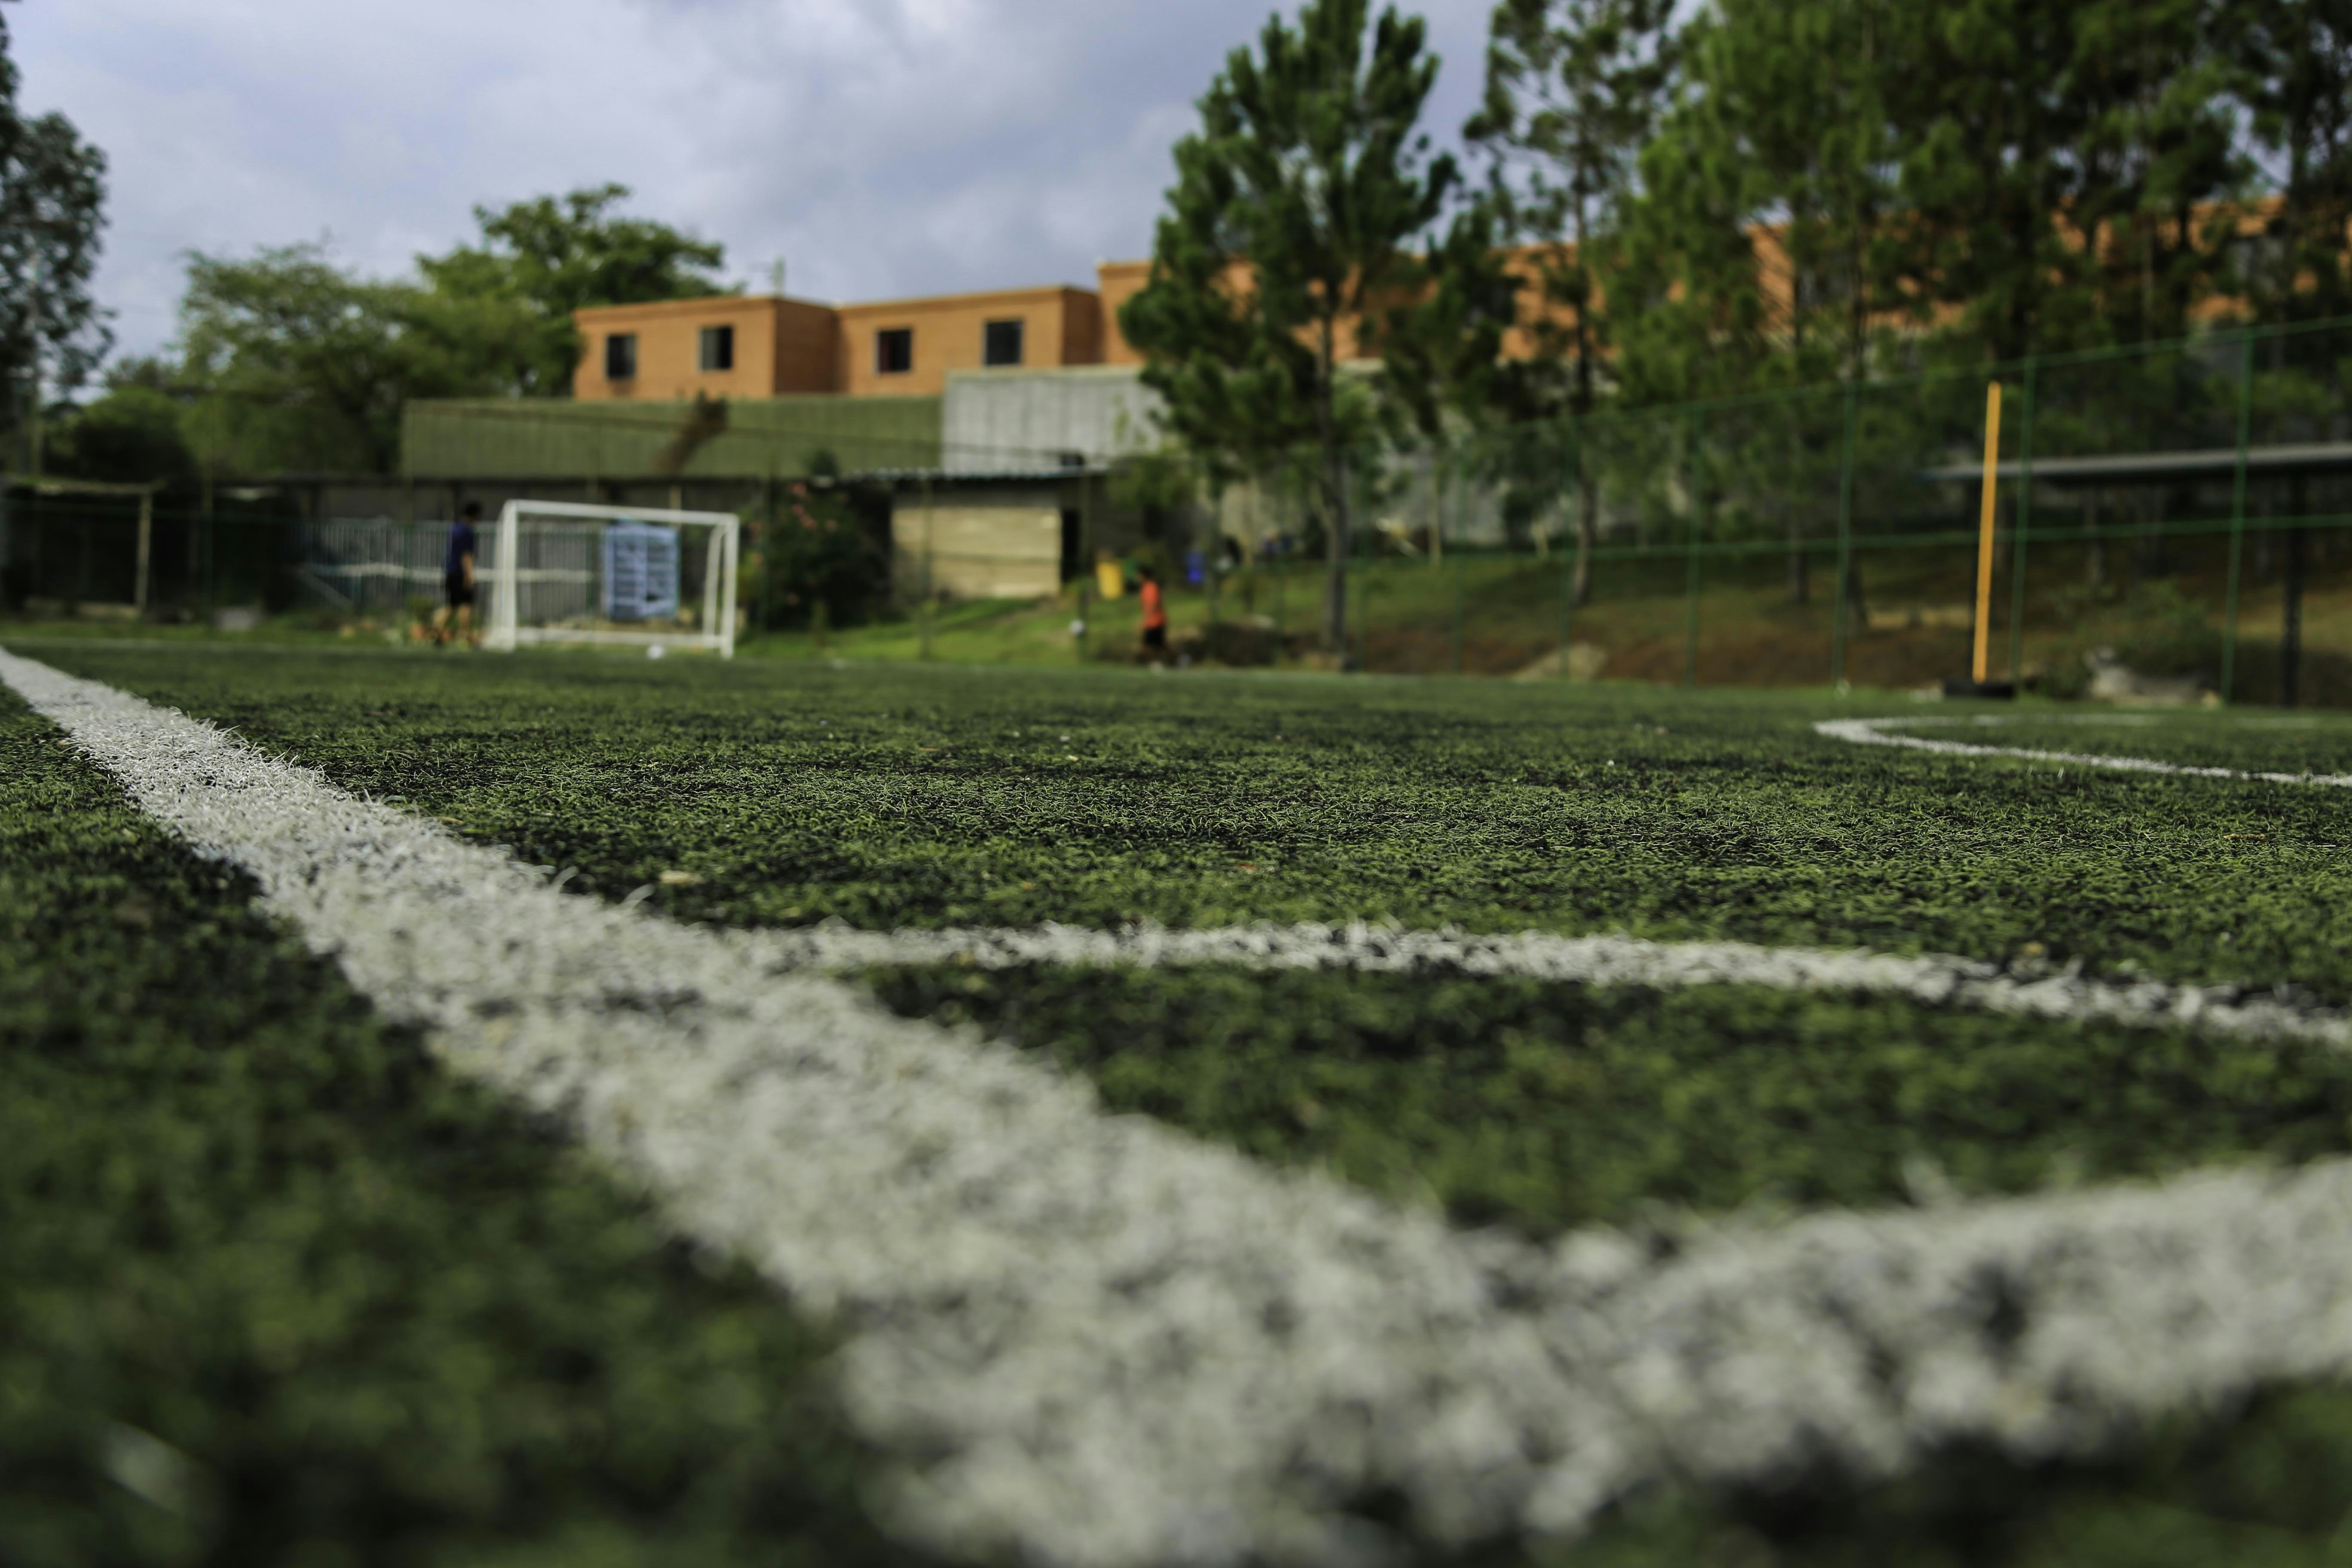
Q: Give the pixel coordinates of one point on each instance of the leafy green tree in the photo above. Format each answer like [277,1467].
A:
[1295,213]
[52,206]
[293,363]
[553,256]
[131,435]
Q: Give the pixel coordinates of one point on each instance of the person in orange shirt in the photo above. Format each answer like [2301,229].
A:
[1155,617]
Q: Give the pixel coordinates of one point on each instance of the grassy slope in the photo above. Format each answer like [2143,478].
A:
[394,1322]
[1503,613]
[797,794]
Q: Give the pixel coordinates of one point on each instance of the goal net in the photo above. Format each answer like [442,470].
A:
[572,572]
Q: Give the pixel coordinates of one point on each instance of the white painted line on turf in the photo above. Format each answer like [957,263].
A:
[1937,980]
[1879,732]
[1111,1344]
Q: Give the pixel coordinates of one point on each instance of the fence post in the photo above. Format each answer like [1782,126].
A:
[1363,619]
[930,523]
[2238,513]
[146,567]
[1458,615]
[1697,526]
[2024,526]
[1843,587]
[1437,510]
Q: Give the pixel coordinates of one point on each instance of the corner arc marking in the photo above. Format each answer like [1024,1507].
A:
[1876,732]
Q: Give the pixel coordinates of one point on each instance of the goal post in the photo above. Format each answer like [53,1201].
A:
[634,576]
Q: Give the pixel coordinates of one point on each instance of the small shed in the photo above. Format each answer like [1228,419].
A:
[994,536]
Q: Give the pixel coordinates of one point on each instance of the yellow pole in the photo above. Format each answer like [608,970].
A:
[1984,531]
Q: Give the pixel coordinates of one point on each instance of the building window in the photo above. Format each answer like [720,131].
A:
[719,348]
[1000,344]
[621,356]
[893,350]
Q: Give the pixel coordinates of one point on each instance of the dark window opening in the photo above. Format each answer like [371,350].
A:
[719,348]
[893,350]
[621,356]
[1000,344]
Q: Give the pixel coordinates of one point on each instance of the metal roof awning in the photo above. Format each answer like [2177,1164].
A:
[975,477]
[2126,467]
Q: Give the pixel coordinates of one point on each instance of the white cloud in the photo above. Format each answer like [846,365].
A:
[884,147]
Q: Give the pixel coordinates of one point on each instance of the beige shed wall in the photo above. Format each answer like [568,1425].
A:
[977,551]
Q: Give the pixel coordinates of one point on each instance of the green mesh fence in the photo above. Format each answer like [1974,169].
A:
[2173,523]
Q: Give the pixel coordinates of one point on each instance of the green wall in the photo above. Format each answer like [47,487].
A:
[457,437]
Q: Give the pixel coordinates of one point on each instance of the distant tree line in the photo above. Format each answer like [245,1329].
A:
[286,359]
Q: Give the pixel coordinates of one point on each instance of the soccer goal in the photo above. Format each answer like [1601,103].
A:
[572,572]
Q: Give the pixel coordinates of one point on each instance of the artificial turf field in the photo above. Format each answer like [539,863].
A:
[389,1321]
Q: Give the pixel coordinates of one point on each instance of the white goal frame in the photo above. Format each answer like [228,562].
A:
[714,632]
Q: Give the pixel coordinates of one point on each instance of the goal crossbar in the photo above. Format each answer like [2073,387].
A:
[715,631]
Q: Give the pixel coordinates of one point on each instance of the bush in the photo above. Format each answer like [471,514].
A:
[816,553]
[2153,630]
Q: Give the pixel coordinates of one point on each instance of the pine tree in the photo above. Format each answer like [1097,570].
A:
[1295,214]
[1573,90]
[2294,59]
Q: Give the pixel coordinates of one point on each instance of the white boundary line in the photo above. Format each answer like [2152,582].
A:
[1114,1345]
[1937,980]
[1874,732]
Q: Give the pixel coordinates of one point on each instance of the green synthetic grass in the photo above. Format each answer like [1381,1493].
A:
[276,1292]
[1545,1106]
[916,797]
[892,796]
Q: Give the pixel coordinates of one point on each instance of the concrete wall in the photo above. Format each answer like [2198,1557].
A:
[993,420]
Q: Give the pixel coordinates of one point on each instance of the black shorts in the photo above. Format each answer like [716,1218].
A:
[1155,637]
[460,591]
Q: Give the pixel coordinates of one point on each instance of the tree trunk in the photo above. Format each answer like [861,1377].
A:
[1858,608]
[1588,538]
[1335,530]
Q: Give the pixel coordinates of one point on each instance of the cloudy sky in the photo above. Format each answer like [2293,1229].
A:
[880,147]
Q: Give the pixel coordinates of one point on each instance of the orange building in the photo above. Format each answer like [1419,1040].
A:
[750,345]
[737,345]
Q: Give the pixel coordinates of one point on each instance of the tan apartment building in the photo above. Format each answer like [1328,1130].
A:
[750,345]
[763,346]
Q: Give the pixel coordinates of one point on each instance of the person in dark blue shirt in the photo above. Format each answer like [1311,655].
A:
[457,579]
